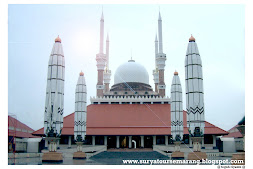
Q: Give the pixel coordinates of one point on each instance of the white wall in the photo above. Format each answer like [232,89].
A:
[33,145]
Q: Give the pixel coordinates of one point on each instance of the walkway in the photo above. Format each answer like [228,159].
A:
[130,150]
[115,158]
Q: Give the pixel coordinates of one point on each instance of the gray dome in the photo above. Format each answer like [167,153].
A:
[131,72]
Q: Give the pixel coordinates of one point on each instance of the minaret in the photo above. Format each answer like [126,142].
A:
[160,60]
[107,72]
[101,60]
[54,106]
[177,121]
[155,71]
[176,109]
[194,94]
[80,115]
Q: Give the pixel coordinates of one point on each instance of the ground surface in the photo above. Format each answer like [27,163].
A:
[117,157]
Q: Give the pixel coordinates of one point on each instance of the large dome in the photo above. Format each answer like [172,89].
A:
[131,72]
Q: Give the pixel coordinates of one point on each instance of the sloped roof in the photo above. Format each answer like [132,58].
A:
[129,119]
[234,132]
[17,125]
[14,122]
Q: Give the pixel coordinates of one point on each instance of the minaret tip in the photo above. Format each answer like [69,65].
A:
[58,39]
[102,15]
[81,73]
[191,39]
[159,18]
[175,73]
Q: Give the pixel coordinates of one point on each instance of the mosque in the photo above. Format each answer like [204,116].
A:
[130,113]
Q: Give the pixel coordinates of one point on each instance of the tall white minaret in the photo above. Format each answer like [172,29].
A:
[80,116]
[107,72]
[80,109]
[54,106]
[155,71]
[177,128]
[101,60]
[160,59]
[194,90]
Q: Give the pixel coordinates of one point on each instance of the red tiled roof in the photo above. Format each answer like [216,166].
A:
[16,124]
[234,132]
[21,134]
[12,122]
[234,135]
[135,119]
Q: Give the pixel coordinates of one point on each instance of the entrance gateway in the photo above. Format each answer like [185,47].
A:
[131,142]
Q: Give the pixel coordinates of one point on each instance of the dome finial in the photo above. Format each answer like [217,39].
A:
[58,39]
[81,73]
[175,73]
[191,39]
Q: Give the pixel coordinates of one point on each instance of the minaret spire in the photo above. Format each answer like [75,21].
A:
[160,59]
[156,49]
[107,72]
[101,60]
[155,71]
[101,33]
[160,33]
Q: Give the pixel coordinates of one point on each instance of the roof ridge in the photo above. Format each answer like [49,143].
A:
[68,115]
[216,126]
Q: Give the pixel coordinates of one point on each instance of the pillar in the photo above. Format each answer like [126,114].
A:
[107,89]
[190,141]
[93,140]
[156,88]
[58,144]
[154,140]
[69,142]
[202,144]
[46,144]
[105,140]
[142,141]
[117,141]
[166,140]
[130,142]
[214,140]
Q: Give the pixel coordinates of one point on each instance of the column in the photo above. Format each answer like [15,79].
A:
[69,142]
[58,143]
[117,141]
[166,140]
[46,144]
[130,142]
[142,141]
[105,140]
[93,140]
[154,140]
[214,141]
[190,141]
[203,144]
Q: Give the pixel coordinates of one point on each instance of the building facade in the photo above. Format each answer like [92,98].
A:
[130,113]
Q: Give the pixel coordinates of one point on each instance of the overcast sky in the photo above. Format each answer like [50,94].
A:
[218,29]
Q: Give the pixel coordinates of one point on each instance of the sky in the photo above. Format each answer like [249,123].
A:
[219,31]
